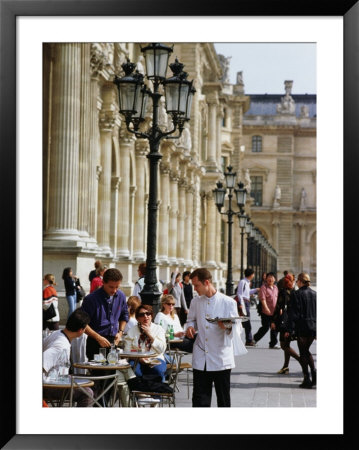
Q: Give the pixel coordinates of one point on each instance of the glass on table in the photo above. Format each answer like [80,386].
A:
[102,352]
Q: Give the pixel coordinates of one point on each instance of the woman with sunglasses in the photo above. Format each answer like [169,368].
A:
[168,316]
[149,337]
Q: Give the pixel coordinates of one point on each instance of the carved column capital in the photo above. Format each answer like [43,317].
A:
[107,120]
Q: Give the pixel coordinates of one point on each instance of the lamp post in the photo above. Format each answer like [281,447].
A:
[242,225]
[133,99]
[219,195]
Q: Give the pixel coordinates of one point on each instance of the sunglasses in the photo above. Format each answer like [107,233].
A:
[144,314]
[171,304]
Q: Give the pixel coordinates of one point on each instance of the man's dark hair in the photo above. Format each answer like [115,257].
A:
[269,274]
[185,273]
[78,320]
[112,275]
[202,274]
[248,272]
[285,272]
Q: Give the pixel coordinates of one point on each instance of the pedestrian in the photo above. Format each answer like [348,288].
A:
[302,319]
[280,318]
[263,278]
[216,343]
[280,284]
[92,274]
[243,294]
[58,343]
[268,295]
[97,281]
[49,297]
[188,293]
[70,289]
[175,288]
[108,313]
[140,283]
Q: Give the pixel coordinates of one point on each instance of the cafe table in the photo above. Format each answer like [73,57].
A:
[136,356]
[65,386]
[102,368]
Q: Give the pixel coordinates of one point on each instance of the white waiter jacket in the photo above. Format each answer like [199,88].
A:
[214,347]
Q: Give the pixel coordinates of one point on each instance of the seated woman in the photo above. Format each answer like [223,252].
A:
[147,336]
[167,316]
[133,303]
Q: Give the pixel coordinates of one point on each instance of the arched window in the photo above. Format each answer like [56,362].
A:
[256,144]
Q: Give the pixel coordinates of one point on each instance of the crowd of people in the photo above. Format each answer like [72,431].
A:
[287,308]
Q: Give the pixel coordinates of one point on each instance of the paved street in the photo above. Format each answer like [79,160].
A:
[254,380]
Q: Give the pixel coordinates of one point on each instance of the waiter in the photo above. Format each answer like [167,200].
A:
[244,305]
[215,345]
[108,312]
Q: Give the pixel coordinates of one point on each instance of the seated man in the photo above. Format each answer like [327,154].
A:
[53,347]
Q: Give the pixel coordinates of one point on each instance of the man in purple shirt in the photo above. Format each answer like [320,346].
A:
[268,295]
[108,312]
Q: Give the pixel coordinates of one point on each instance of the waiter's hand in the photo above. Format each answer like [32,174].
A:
[103,342]
[221,325]
[190,332]
[117,338]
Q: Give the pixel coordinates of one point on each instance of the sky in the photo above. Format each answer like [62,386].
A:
[266,66]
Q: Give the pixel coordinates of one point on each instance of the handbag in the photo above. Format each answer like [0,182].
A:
[80,291]
[49,313]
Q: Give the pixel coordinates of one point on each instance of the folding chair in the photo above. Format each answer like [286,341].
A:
[107,385]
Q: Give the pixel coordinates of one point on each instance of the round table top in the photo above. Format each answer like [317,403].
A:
[138,355]
[175,340]
[100,366]
[67,385]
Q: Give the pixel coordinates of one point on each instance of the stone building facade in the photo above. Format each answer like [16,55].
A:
[96,174]
[279,135]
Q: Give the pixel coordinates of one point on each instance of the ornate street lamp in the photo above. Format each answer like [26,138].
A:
[133,99]
[219,194]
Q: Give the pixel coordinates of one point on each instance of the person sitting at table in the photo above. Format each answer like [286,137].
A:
[133,302]
[147,336]
[53,346]
[168,316]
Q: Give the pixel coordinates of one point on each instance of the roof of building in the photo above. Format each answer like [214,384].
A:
[266,104]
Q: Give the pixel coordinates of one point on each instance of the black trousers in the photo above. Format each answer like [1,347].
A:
[202,387]
[92,346]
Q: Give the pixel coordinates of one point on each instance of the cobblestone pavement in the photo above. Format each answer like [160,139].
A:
[254,380]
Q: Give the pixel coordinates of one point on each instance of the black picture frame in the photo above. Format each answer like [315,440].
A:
[9,10]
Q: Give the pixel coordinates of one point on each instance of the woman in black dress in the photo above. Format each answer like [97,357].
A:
[280,317]
[302,318]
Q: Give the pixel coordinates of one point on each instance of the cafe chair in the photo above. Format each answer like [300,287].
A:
[109,383]
[179,367]
[157,399]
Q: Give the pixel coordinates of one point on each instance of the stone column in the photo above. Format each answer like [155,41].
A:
[163,214]
[126,146]
[65,134]
[107,122]
[181,237]
[84,173]
[197,228]
[172,244]
[212,132]
[96,62]
[188,260]
[211,221]
[141,148]
[115,183]
[220,115]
